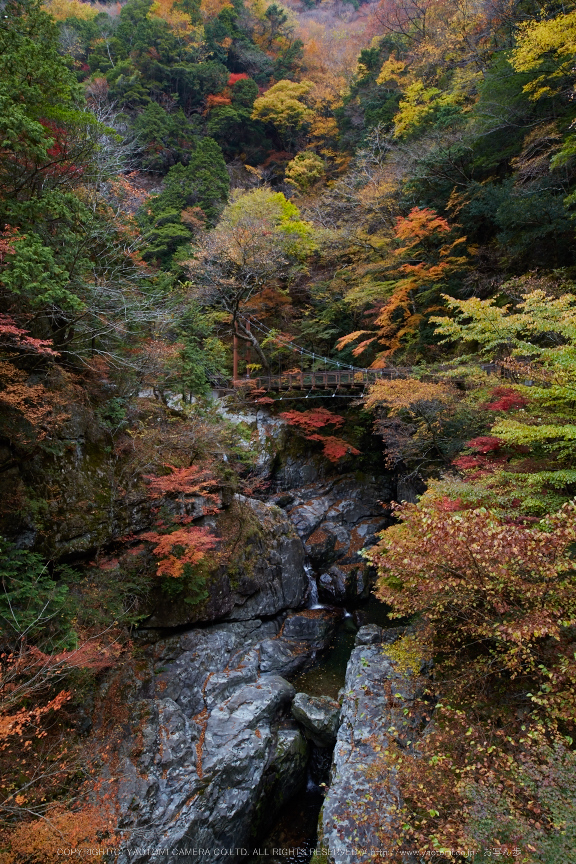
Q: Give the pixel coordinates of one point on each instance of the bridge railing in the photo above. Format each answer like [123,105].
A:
[326,380]
[357,379]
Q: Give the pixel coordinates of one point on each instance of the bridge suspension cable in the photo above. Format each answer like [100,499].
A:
[304,352]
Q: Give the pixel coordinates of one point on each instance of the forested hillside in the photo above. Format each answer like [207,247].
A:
[335,185]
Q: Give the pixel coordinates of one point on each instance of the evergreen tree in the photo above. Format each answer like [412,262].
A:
[202,185]
[37,98]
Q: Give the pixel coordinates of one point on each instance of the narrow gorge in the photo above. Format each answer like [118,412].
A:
[235,704]
[287,437]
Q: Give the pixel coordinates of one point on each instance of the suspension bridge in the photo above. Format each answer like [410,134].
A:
[341,379]
[304,373]
[334,379]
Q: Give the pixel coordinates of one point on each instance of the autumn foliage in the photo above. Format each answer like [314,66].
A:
[176,550]
[184,547]
[46,785]
[29,673]
[504,589]
[182,481]
[506,399]
[414,419]
[16,338]
[83,828]
[31,410]
[418,264]
[487,455]
[497,607]
[431,167]
[308,422]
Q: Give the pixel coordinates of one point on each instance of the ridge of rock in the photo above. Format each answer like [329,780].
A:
[361,809]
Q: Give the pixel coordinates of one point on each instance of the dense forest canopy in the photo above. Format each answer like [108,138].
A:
[385,184]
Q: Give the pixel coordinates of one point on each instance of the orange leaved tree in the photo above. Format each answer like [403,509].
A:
[416,271]
[496,604]
[489,591]
[181,549]
[47,770]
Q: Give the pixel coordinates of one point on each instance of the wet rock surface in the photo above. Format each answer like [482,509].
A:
[312,625]
[213,752]
[359,811]
[369,634]
[285,776]
[319,715]
[336,519]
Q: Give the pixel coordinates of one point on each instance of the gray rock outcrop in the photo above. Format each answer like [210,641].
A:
[266,576]
[369,634]
[336,519]
[312,625]
[212,752]
[319,715]
[361,805]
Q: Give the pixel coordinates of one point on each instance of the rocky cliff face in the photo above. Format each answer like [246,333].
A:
[336,519]
[264,575]
[72,496]
[217,751]
[326,522]
[360,814]
[212,752]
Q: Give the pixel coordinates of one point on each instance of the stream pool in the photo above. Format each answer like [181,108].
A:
[295,831]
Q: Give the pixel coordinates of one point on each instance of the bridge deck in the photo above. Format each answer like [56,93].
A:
[344,379]
[358,379]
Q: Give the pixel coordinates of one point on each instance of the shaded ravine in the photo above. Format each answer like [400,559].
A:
[214,756]
[295,831]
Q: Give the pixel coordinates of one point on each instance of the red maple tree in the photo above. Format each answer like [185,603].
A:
[505,399]
[308,422]
[187,546]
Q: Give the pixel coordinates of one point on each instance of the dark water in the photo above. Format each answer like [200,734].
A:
[327,676]
[294,836]
[376,612]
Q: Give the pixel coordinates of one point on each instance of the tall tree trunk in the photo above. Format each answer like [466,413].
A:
[247,336]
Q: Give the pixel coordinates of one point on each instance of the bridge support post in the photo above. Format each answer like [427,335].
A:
[247,354]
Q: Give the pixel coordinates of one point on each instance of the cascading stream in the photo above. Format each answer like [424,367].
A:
[312,588]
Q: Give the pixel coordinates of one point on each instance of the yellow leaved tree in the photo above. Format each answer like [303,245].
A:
[283,105]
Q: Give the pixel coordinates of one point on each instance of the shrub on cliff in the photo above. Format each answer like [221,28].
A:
[496,601]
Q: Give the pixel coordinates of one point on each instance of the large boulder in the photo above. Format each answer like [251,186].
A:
[368,634]
[283,656]
[264,576]
[314,626]
[319,715]
[210,740]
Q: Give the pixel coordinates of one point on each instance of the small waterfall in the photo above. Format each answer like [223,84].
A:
[312,589]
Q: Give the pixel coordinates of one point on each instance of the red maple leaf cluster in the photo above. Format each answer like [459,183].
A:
[236,76]
[505,399]
[15,337]
[184,546]
[181,547]
[486,457]
[308,422]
